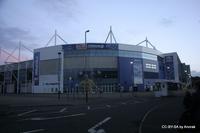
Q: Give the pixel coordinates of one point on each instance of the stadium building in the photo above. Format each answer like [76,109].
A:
[112,66]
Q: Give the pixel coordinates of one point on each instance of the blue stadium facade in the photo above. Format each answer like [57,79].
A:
[110,65]
[114,65]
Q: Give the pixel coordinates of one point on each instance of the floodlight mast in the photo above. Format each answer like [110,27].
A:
[9,55]
[147,43]
[18,62]
[111,36]
[55,36]
[18,69]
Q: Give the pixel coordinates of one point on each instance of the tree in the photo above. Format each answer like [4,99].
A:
[87,84]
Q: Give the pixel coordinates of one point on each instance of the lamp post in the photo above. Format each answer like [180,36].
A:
[131,63]
[85,77]
[59,66]
[132,76]
[86,36]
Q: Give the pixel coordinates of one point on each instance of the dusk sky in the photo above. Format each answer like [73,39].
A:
[170,25]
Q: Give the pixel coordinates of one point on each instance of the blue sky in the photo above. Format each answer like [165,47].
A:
[171,25]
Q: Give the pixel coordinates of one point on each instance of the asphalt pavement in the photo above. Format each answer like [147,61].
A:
[126,114]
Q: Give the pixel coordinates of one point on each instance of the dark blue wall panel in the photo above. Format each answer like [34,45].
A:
[125,72]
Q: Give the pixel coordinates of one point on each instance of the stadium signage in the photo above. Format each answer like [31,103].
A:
[102,46]
[111,46]
[95,46]
[89,46]
[36,61]
[69,47]
[81,46]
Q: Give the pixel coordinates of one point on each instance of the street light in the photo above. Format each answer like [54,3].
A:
[85,46]
[59,65]
[132,77]
[85,77]
[86,36]
[131,63]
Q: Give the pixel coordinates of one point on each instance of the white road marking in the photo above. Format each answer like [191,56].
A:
[28,112]
[62,110]
[100,131]
[108,106]
[88,107]
[41,113]
[51,118]
[34,131]
[92,129]
[145,116]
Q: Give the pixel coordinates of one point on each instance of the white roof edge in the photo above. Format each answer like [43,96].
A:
[122,46]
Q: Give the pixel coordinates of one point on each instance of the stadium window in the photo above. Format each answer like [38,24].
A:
[150,66]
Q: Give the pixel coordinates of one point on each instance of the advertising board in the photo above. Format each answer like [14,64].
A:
[36,63]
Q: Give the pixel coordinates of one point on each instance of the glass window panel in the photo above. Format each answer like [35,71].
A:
[138,73]
[49,66]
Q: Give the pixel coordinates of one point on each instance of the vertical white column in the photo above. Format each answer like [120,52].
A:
[62,70]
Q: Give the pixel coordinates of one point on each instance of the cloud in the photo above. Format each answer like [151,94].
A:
[58,8]
[166,22]
[195,73]
[9,40]
[34,15]
[39,16]
[10,36]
